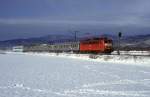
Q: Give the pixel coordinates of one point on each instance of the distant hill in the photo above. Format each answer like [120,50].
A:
[138,42]
[36,40]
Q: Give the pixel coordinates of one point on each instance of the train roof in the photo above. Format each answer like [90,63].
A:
[94,38]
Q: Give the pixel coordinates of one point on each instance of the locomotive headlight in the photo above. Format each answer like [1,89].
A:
[108,45]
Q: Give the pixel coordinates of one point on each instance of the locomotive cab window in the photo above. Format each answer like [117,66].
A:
[105,41]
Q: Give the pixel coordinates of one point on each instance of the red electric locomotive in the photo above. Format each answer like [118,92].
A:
[96,45]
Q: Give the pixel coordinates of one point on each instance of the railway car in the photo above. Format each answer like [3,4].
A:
[96,45]
[64,47]
[36,48]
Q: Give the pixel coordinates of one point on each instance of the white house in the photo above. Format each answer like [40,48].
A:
[17,49]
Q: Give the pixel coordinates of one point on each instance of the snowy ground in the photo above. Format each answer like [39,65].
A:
[126,57]
[48,75]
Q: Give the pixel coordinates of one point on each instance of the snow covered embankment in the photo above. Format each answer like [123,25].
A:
[124,59]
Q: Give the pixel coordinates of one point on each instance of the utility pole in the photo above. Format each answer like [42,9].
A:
[75,35]
[119,36]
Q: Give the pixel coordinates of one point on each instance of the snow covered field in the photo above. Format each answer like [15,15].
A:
[64,75]
[130,57]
